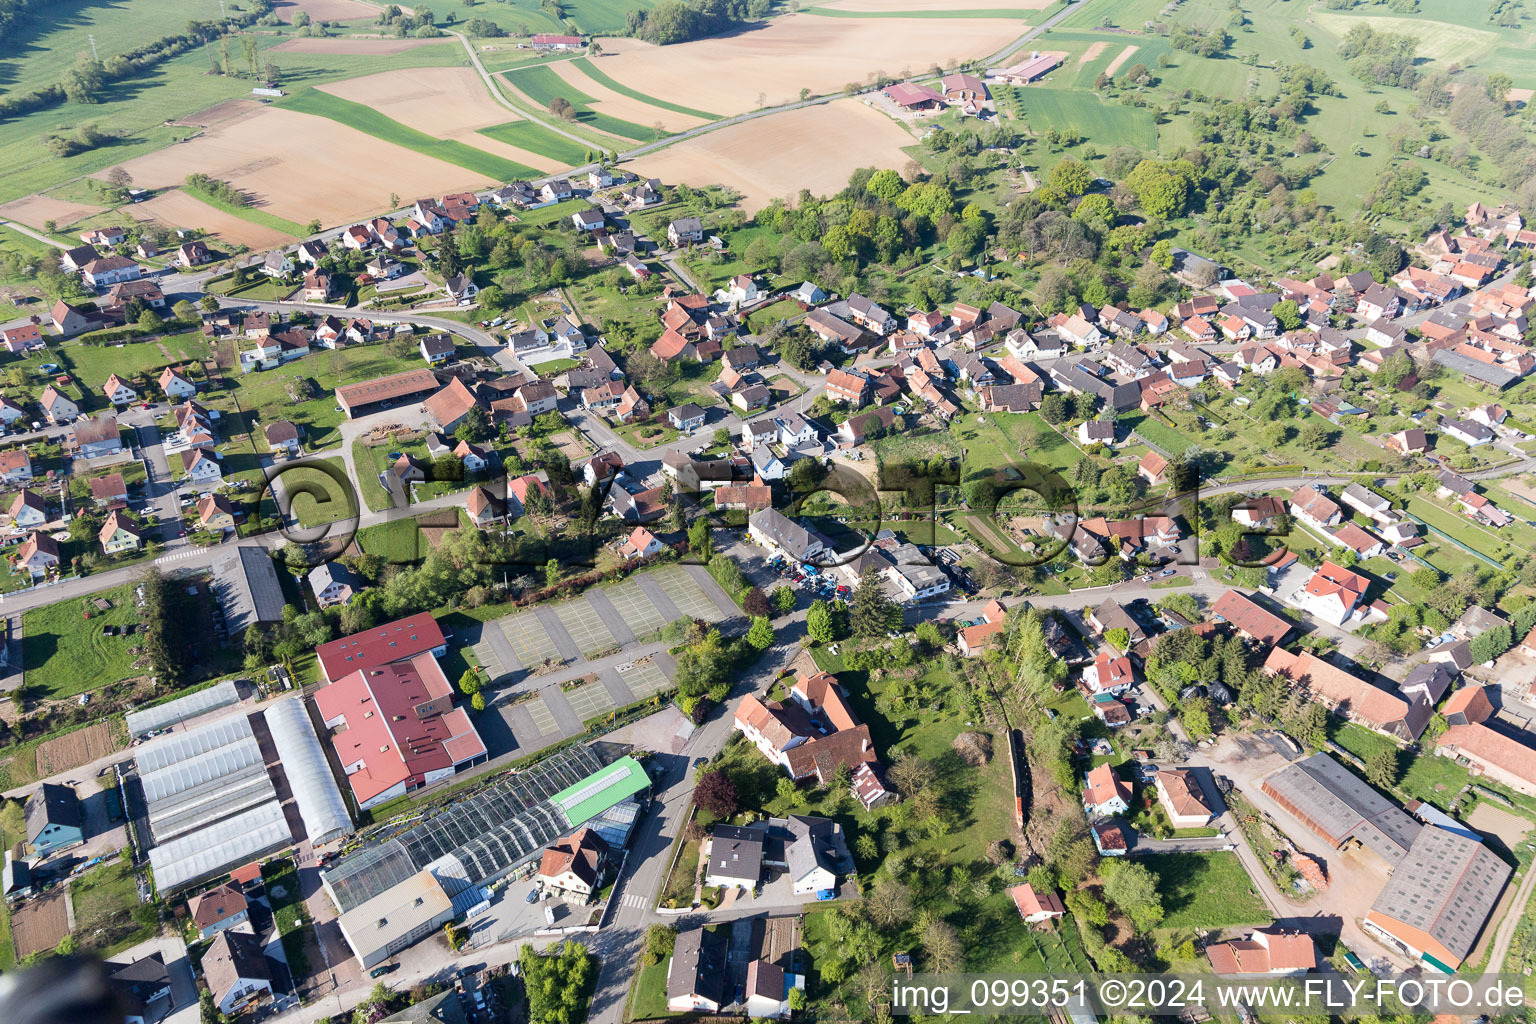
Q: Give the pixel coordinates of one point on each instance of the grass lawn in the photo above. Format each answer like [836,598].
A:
[1205,890]
[645,435]
[366,119]
[398,541]
[318,496]
[374,495]
[554,367]
[1426,777]
[761,319]
[536,138]
[650,998]
[13,830]
[94,659]
[1082,112]
[93,364]
[540,84]
[108,914]
[593,72]
[1455,526]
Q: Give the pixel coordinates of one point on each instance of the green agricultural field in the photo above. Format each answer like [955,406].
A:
[93,364]
[44,43]
[1083,112]
[541,85]
[536,138]
[366,119]
[1438,40]
[602,16]
[597,75]
[1205,890]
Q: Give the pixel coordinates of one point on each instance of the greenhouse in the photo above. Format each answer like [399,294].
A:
[161,716]
[484,836]
[167,750]
[212,851]
[308,773]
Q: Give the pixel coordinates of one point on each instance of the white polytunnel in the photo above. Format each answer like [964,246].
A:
[309,774]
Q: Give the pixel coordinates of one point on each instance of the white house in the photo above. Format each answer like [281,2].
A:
[743,290]
[117,392]
[201,466]
[1469,432]
[641,543]
[175,385]
[1333,593]
[1105,793]
[1180,793]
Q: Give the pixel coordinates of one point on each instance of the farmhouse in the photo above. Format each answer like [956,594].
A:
[1351,697]
[1031,70]
[911,96]
[1438,899]
[1278,953]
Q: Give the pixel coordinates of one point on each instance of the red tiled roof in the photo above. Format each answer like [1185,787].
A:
[1031,903]
[1246,615]
[393,641]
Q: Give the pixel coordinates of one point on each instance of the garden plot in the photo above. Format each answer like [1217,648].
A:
[529,640]
[686,594]
[642,616]
[644,678]
[590,701]
[543,719]
[40,925]
[586,627]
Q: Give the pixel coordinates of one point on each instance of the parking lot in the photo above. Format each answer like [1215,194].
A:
[639,612]
[643,678]
[539,712]
[590,701]
[528,638]
[686,594]
[585,626]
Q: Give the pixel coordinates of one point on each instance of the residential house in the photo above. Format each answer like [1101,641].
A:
[216,514]
[218,909]
[54,819]
[1249,619]
[1105,793]
[1407,442]
[95,437]
[109,270]
[870,316]
[174,385]
[1035,907]
[28,510]
[236,971]
[687,417]
[192,254]
[641,543]
[1268,952]
[1180,793]
[1469,432]
[201,466]
[845,386]
[696,972]
[781,535]
[1351,697]
[1333,593]
[484,506]
[1152,468]
[685,231]
[461,288]
[1108,673]
[37,554]
[22,338]
[575,866]
[283,436]
[1312,506]
[117,391]
[119,534]
[106,490]
[317,286]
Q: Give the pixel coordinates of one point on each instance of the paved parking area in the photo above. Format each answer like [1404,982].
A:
[529,640]
[585,626]
[689,598]
[639,611]
[643,678]
[539,714]
[589,701]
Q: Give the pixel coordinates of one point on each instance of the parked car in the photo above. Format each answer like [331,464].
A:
[532,897]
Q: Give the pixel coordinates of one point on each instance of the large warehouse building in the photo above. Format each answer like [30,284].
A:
[1438,899]
[1341,807]
[484,837]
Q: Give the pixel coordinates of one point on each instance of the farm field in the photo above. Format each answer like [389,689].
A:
[598,75]
[1044,108]
[35,211]
[814,147]
[358,47]
[364,118]
[770,65]
[950,7]
[304,166]
[44,43]
[179,209]
[546,146]
[541,84]
[1438,40]
[974,12]
[446,103]
[626,107]
[325,10]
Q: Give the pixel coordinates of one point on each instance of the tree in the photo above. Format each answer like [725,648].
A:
[911,774]
[185,311]
[1072,177]
[1288,314]
[1381,768]
[941,943]
[761,633]
[890,903]
[1133,888]
[715,793]
[477,702]
[756,604]
[699,542]
[469,682]
[561,107]
[783,600]
[819,624]
[872,612]
[660,939]
[209,303]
